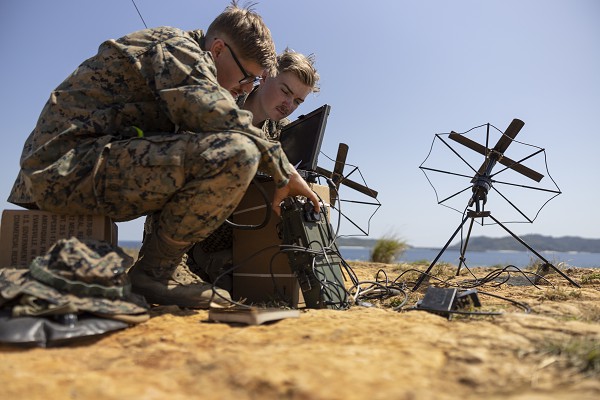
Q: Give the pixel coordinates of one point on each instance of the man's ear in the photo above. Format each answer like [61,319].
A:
[216,47]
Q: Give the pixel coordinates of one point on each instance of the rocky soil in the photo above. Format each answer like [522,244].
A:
[552,352]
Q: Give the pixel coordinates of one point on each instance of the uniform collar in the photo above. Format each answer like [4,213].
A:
[199,37]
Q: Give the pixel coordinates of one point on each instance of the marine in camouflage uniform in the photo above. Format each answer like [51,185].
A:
[271,103]
[84,155]
[280,95]
[197,155]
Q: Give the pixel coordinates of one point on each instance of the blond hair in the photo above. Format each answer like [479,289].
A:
[248,33]
[300,65]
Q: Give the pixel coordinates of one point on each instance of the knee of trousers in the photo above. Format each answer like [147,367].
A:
[231,153]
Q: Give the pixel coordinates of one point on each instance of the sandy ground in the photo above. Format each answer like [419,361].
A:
[361,353]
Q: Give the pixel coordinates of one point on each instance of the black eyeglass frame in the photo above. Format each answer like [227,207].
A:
[255,80]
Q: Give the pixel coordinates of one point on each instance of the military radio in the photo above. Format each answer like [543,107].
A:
[307,239]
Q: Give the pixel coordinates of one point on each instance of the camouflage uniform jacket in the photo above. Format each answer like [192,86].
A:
[273,128]
[159,80]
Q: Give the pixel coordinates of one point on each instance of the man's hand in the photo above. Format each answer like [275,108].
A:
[295,187]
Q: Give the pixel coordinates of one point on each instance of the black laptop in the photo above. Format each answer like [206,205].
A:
[301,139]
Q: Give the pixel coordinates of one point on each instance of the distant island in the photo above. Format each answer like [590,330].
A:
[537,242]
[483,243]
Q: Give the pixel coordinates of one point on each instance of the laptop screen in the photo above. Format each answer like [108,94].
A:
[301,139]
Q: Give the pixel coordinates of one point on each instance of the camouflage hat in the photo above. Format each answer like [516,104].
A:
[85,275]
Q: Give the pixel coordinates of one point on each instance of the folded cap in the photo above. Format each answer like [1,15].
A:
[90,275]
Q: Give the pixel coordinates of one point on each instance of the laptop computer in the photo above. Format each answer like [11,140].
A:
[301,139]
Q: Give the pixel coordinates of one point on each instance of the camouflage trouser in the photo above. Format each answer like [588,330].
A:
[210,258]
[195,181]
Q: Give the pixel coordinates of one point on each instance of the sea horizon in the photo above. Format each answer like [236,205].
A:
[473,258]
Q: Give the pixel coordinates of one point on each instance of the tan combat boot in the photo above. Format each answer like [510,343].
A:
[162,276]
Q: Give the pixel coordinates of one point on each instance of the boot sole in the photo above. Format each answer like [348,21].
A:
[190,296]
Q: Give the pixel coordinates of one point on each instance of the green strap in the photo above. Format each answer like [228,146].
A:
[140,133]
[74,287]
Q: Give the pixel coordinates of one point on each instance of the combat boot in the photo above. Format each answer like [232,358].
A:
[162,276]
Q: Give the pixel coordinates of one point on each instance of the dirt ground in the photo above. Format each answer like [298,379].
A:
[375,352]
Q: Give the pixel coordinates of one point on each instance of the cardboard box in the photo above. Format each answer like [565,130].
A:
[263,272]
[26,234]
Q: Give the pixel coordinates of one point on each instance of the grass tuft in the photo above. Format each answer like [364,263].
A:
[387,249]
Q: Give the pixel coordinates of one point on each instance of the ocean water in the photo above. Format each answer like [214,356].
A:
[473,258]
[482,258]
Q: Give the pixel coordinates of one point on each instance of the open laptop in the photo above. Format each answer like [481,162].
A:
[301,139]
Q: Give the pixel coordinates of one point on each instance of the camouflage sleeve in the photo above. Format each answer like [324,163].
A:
[184,78]
[193,98]
[196,102]
[241,100]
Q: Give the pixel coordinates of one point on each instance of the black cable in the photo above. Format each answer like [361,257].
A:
[268,210]
[495,274]
[378,290]
[318,274]
[486,313]
[490,277]
[230,271]
[517,303]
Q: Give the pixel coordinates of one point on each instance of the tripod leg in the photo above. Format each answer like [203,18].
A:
[535,252]
[463,249]
[426,273]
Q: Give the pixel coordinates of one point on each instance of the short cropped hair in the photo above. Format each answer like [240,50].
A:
[300,65]
[248,32]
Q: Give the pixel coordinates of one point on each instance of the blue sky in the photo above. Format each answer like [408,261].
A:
[395,74]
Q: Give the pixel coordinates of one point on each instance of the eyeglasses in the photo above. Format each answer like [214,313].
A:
[255,80]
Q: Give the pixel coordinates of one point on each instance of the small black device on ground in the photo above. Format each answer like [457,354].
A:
[443,301]
[438,300]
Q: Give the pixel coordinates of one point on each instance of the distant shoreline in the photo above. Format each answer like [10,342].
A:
[480,244]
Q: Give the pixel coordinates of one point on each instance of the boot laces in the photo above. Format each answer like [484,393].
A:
[183,275]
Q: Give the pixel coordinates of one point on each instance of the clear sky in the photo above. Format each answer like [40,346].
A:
[395,74]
